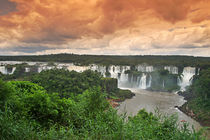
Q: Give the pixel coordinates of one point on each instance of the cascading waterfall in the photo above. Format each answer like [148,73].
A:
[163,84]
[186,78]
[150,81]
[143,81]
[76,68]
[149,69]
[13,70]
[27,69]
[98,68]
[171,69]
[114,71]
[123,76]
[144,68]
[3,70]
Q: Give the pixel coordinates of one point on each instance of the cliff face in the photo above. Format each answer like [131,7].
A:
[109,84]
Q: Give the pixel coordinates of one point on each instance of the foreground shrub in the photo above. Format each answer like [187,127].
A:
[32,113]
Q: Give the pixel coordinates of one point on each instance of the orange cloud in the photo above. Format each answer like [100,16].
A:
[62,21]
[65,19]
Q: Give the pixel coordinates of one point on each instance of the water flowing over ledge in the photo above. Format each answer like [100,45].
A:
[139,76]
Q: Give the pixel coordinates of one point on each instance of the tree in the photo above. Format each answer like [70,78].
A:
[5,92]
[202,85]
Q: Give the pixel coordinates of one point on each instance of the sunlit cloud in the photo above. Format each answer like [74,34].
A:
[105,27]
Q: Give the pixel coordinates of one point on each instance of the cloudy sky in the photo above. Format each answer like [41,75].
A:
[122,27]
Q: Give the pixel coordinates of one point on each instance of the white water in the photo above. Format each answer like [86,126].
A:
[143,81]
[171,69]
[163,83]
[150,81]
[144,68]
[130,81]
[4,70]
[13,70]
[27,69]
[186,78]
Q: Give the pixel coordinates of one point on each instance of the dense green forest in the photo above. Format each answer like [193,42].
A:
[58,104]
[198,96]
[202,62]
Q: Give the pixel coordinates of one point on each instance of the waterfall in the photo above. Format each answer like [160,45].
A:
[149,82]
[198,71]
[143,81]
[13,70]
[114,70]
[98,68]
[171,69]
[27,69]
[149,69]
[39,69]
[73,68]
[163,84]
[123,77]
[144,68]
[3,70]
[186,78]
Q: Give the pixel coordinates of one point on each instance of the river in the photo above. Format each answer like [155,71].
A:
[164,101]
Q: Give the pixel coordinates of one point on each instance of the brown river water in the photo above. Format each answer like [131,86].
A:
[163,101]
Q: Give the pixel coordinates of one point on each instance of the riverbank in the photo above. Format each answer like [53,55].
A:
[120,97]
[194,109]
[164,102]
[191,113]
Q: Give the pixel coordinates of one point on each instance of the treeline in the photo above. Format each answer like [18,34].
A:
[202,62]
[58,104]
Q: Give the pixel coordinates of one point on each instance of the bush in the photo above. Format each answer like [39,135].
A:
[5,93]
[34,114]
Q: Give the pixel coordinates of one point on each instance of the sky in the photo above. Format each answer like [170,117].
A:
[119,27]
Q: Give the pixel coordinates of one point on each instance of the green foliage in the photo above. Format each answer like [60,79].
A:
[5,93]
[149,126]
[202,84]
[199,102]
[64,82]
[124,94]
[133,72]
[180,61]
[197,95]
[164,72]
[109,84]
[19,72]
[34,114]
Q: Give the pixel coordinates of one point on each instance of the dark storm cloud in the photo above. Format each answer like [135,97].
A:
[6,7]
[27,49]
[194,46]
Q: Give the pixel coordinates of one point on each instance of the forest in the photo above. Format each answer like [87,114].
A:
[58,104]
[179,61]
[198,97]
